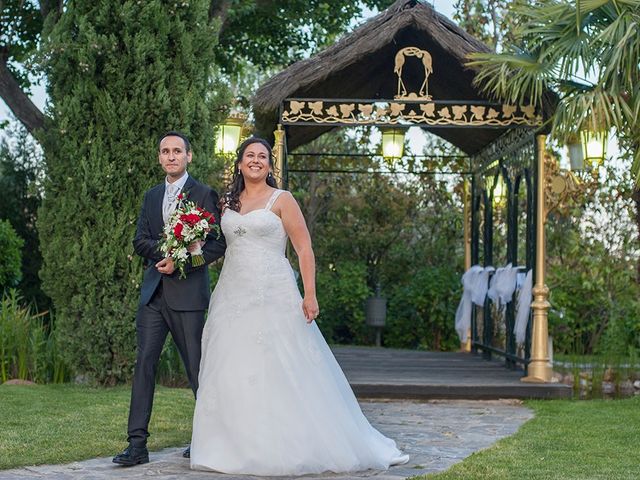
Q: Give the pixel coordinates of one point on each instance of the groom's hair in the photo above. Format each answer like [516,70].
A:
[174,133]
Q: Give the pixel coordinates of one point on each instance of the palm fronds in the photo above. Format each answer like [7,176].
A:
[586,51]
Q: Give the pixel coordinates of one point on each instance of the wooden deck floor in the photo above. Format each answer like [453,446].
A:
[390,373]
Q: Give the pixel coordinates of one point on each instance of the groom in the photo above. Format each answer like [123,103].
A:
[167,302]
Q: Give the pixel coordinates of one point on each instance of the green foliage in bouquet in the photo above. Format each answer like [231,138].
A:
[119,75]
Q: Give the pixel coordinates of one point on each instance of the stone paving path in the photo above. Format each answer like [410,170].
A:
[436,434]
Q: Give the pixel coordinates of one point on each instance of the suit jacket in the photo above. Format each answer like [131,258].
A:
[186,294]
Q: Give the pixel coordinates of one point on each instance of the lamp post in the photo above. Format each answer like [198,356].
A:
[392,143]
[279,149]
[376,314]
[539,368]
[229,133]
[466,188]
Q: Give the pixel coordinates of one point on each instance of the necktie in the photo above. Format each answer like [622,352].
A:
[170,204]
[172,191]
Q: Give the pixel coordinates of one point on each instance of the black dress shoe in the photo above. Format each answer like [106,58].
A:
[187,452]
[132,456]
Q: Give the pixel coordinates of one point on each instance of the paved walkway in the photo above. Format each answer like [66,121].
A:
[436,434]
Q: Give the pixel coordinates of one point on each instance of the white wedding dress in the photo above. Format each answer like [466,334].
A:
[272,399]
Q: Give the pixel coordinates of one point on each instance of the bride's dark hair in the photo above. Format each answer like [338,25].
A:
[231,198]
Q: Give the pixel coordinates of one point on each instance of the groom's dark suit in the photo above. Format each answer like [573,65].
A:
[168,303]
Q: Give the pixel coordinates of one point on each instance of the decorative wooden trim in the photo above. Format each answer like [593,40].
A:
[436,113]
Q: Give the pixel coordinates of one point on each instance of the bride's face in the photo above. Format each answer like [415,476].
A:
[254,165]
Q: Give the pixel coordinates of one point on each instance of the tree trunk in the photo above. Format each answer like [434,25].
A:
[18,101]
[220,9]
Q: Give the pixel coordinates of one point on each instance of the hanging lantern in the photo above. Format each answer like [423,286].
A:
[587,151]
[594,148]
[576,154]
[227,138]
[499,192]
[392,142]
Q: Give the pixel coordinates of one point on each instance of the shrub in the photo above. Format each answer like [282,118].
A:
[29,348]
[421,312]
[120,74]
[593,255]
[21,176]
[342,290]
[10,246]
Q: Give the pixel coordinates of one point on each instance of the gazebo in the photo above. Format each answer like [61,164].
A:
[407,67]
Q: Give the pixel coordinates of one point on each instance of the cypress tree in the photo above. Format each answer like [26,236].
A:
[120,74]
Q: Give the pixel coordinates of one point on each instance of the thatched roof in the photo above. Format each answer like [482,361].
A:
[361,64]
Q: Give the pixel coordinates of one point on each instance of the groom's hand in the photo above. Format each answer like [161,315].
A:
[195,246]
[166,266]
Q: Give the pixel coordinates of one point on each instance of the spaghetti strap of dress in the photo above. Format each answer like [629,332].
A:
[272,200]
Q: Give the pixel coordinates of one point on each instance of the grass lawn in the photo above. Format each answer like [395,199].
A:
[567,440]
[595,439]
[48,424]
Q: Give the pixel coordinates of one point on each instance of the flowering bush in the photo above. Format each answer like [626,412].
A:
[188,224]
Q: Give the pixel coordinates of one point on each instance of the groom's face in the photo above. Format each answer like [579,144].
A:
[173,157]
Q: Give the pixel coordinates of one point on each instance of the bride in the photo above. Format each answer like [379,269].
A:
[272,400]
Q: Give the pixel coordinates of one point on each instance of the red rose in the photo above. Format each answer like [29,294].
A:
[190,219]
[177,231]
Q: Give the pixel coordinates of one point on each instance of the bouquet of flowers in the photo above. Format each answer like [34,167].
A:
[189,223]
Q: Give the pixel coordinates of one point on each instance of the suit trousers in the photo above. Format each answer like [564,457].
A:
[153,322]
